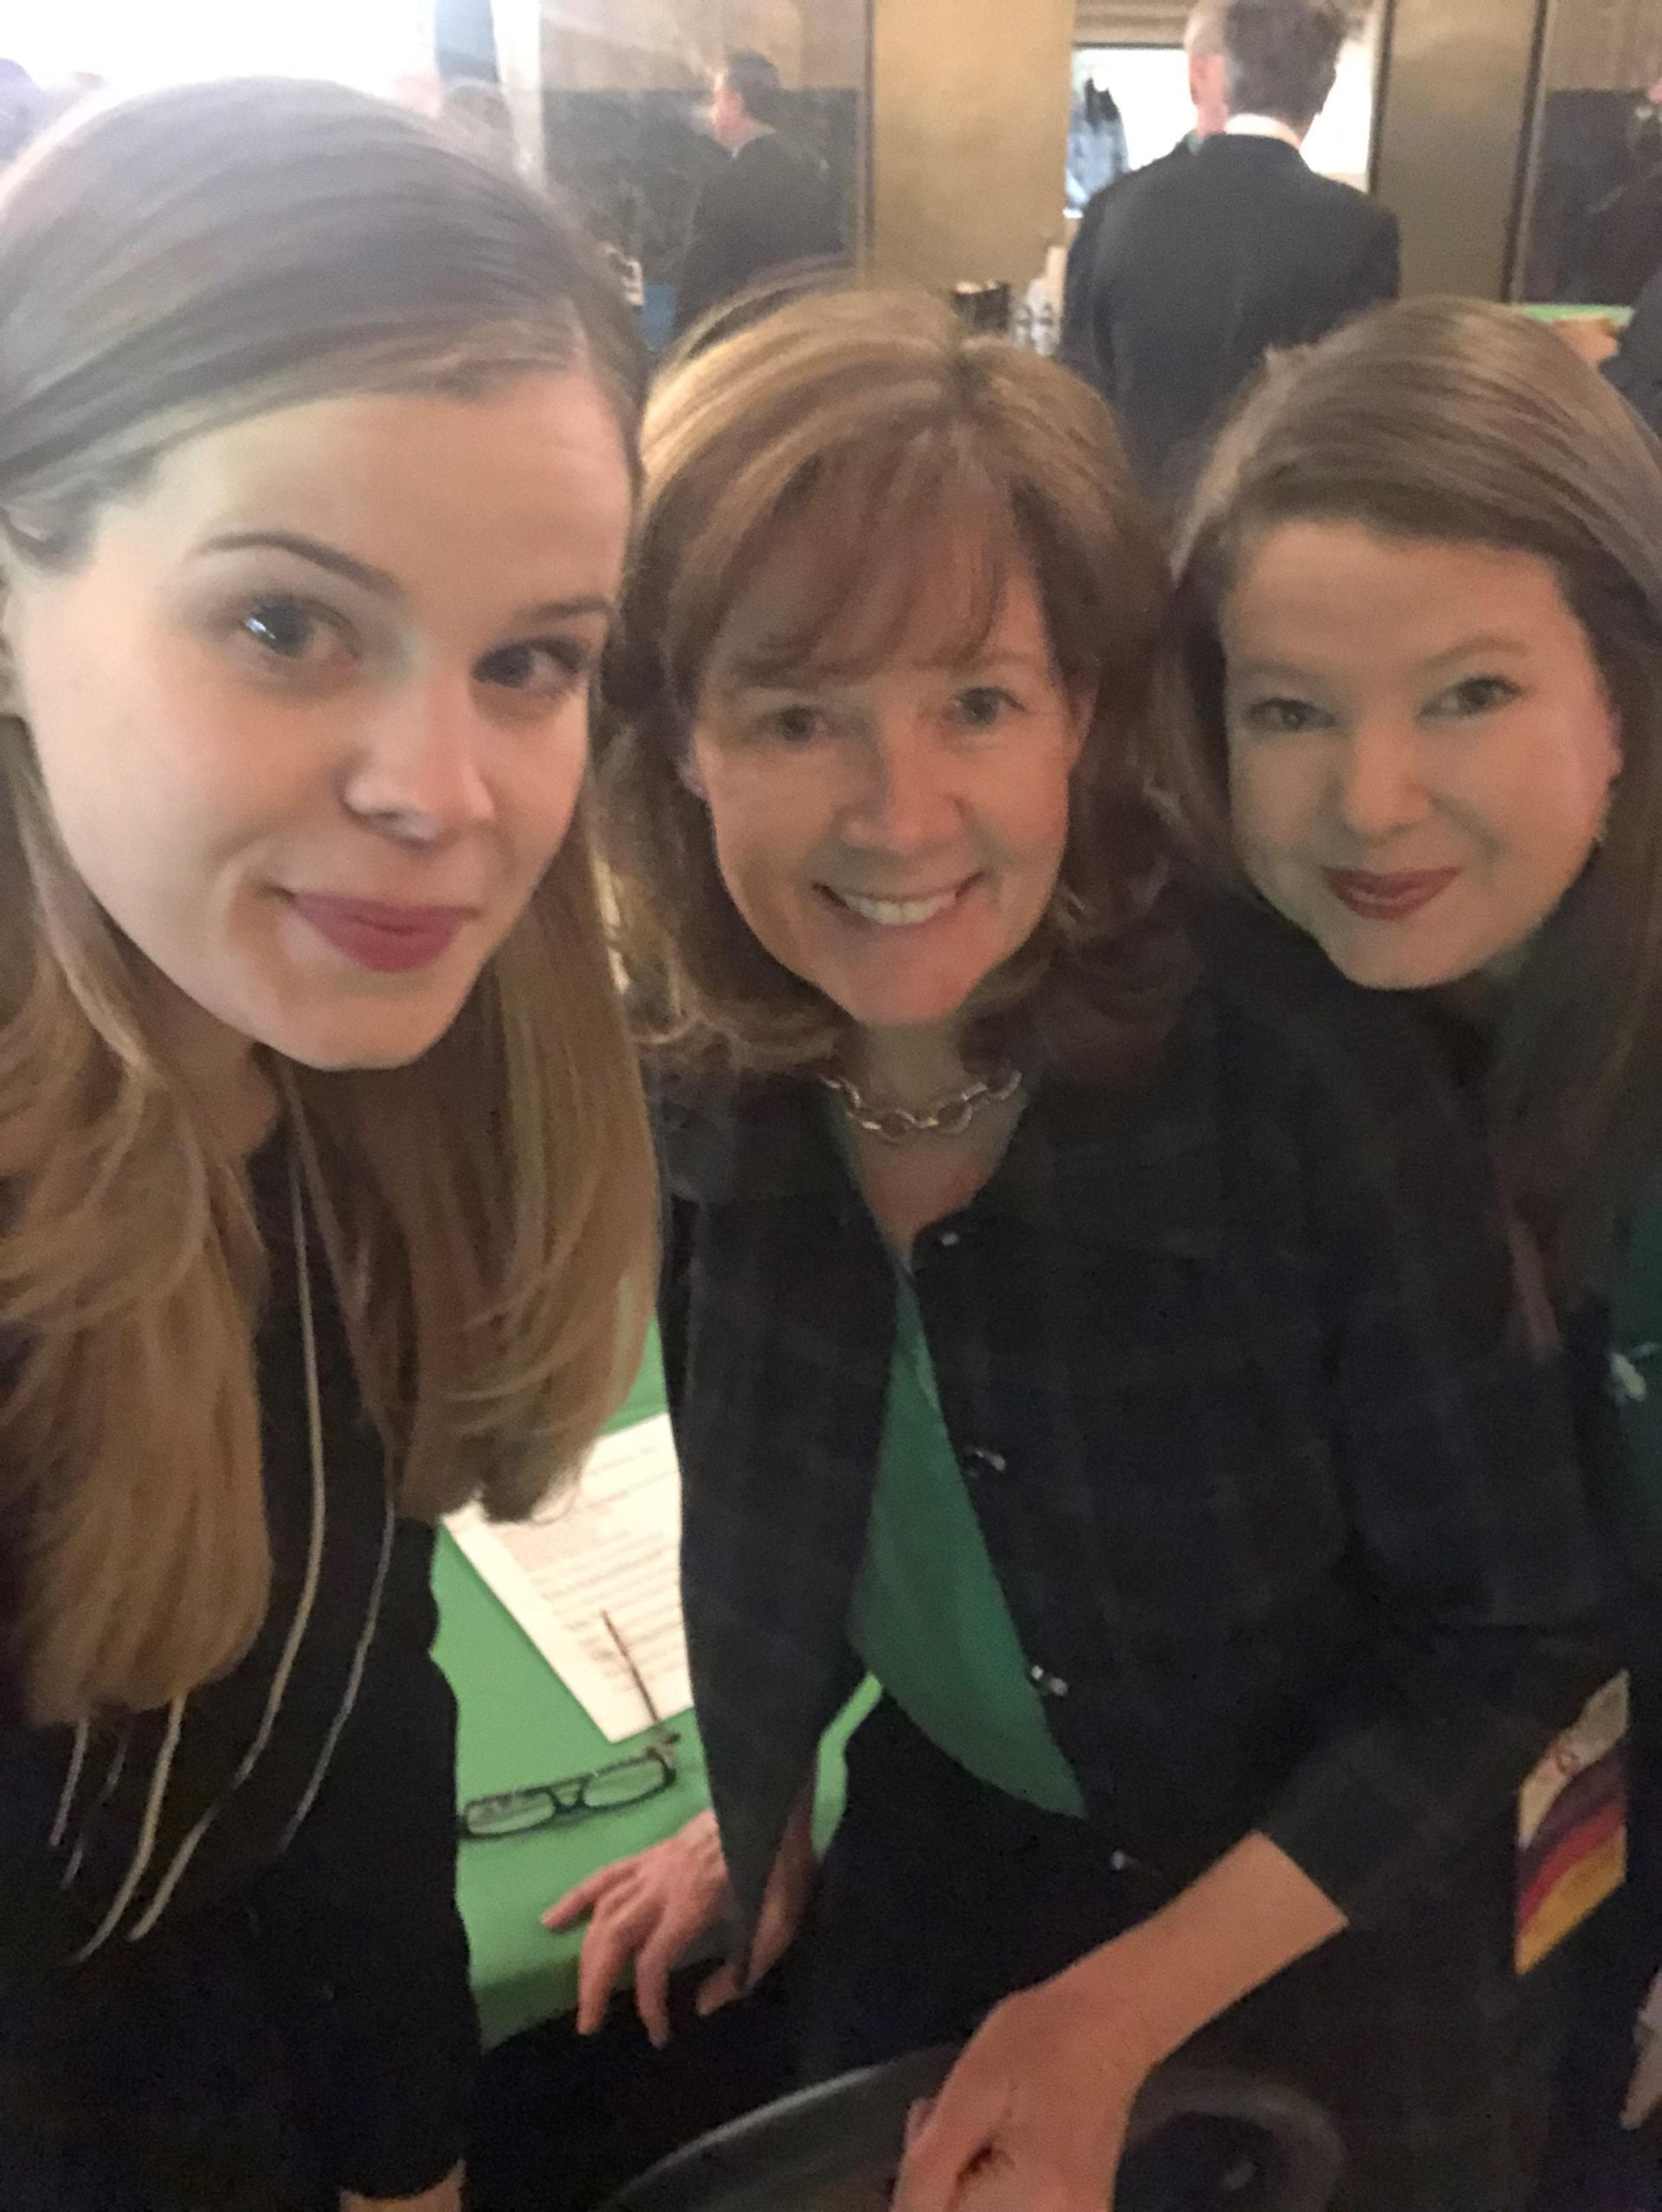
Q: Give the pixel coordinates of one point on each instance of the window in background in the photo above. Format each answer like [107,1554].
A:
[1148,88]
[371,43]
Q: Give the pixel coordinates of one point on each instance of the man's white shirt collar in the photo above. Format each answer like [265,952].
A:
[1264,126]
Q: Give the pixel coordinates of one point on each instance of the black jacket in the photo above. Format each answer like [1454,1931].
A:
[280,1846]
[1636,369]
[1078,347]
[1290,1528]
[770,209]
[1201,263]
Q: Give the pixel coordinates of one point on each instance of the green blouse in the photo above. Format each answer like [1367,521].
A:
[928,1617]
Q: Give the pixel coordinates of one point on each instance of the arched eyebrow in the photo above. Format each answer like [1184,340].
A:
[1485,641]
[307,549]
[377,580]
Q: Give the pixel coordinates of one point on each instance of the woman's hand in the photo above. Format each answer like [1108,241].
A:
[1593,337]
[444,2195]
[652,1908]
[649,1910]
[1032,2118]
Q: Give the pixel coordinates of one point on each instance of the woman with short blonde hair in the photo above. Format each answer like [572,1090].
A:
[328,1196]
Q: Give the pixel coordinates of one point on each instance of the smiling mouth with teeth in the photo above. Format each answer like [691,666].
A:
[896,913]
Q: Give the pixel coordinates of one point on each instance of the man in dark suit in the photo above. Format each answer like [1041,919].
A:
[1203,51]
[771,208]
[1202,262]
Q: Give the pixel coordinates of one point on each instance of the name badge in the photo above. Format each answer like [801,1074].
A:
[1573,1826]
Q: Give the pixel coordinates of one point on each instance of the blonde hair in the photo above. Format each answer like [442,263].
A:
[1464,423]
[187,259]
[877,421]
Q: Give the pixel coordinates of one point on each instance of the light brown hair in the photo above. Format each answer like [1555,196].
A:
[185,260]
[1451,421]
[902,442]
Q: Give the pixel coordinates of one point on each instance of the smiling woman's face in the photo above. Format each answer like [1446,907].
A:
[890,838]
[311,717]
[1421,748]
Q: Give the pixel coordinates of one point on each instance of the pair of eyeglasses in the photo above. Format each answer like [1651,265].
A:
[646,1773]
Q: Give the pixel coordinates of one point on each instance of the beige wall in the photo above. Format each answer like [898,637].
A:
[969,135]
[1448,151]
[1130,22]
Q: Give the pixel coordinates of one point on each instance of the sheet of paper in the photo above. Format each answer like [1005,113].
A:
[611,1544]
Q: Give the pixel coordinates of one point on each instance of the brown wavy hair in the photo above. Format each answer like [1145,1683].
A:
[876,419]
[180,262]
[1467,423]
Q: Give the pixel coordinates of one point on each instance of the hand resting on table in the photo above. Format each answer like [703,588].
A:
[649,1910]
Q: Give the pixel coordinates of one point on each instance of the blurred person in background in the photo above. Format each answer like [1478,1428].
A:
[1634,365]
[771,209]
[1198,267]
[1631,358]
[1202,46]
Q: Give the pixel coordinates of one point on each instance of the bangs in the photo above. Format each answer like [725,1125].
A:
[890,555]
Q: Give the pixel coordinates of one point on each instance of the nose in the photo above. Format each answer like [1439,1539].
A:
[418,773]
[905,801]
[1381,782]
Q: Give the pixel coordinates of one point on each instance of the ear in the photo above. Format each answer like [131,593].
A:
[11,689]
[687,767]
[1081,712]
[1618,740]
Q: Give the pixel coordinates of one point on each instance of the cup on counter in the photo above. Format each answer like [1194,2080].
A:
[984,305]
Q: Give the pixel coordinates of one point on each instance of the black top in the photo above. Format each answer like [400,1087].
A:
[1289,1525]
[1635,367]
[1197,265]
[769,209]
[300,1810]
[1078,345]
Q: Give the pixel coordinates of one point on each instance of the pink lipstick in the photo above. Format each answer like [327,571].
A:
[387,938]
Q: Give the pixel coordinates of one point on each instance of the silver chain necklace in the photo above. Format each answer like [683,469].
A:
[948,1117]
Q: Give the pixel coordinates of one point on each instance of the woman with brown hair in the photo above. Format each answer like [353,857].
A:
[1106,1345]
[327,1195]
[1420,592]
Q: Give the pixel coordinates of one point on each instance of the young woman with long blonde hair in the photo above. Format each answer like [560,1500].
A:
[325,1186]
